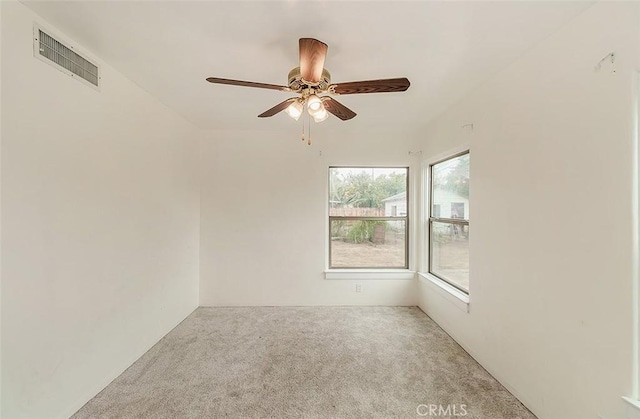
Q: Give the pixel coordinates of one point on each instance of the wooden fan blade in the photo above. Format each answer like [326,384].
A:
[371,86]
[312,55]
[247,84]
[337,108]
[278,108]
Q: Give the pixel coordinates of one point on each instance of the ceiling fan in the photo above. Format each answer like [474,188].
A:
[310,80]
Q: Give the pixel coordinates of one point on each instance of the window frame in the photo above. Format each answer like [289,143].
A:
[634,400]
[404,218]
[430,219]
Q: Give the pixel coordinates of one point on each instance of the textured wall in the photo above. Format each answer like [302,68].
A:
[552,232]
[100,216]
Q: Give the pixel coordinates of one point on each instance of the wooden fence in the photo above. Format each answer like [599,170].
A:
[356,212]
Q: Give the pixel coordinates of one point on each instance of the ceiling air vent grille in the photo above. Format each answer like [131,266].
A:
[65,58]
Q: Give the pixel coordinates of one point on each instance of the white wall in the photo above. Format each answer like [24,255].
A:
[0,215]
[264,216]
[100,216]
[551,284]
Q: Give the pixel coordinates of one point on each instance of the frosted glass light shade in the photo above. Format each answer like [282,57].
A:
[294,110]
[314,104]
[321,115]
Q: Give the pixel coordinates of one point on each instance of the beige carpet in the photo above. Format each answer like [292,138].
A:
[305,362]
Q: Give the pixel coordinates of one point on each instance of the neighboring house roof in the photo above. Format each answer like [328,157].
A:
[402,196]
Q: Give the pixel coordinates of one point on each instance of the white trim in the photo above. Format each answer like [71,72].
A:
[451,293]
[423,270]
[423,263]
[411,235]
[635,193]
[412,217]
[92,391]
[465,147]
[633,409]
[325,201]
[524,399]
[392,274]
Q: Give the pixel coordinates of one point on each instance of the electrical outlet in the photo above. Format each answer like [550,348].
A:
[358,287]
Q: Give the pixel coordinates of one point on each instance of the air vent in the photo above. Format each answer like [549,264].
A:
[48,48]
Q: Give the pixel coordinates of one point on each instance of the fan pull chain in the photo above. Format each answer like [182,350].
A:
[306,118]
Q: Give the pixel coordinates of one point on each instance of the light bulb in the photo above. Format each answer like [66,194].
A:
[314,104]
[321,115]
[294,110]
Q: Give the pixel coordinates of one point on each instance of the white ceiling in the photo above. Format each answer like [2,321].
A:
[170,47]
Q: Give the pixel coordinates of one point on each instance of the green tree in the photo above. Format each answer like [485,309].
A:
[456,178]
[363,231]
[365,191]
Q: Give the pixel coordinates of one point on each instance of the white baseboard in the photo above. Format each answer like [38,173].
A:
[524,400]
[633,408]
[94,390]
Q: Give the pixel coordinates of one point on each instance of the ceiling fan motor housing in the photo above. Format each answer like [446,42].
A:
[297,84]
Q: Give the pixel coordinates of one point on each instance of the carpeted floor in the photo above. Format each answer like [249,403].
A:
[305,362]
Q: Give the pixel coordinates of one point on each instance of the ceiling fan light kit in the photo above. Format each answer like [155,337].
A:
[295,109]
[310,80]
[321,115]
[314,104]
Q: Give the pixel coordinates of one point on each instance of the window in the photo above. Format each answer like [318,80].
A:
[449,220]
[436,210]
[368,221]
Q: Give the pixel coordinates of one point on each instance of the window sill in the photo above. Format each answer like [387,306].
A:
[454,295]
[633,410]
[369,274]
